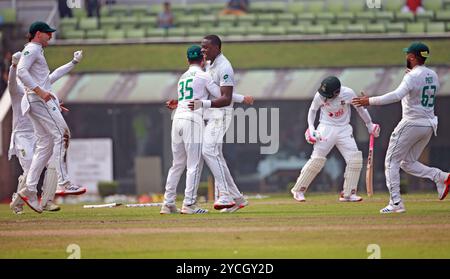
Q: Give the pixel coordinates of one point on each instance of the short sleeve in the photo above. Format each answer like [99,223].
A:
[226,76]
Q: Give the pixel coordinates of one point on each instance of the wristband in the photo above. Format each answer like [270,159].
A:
[206,103]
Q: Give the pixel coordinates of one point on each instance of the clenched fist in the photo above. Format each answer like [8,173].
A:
[77,56]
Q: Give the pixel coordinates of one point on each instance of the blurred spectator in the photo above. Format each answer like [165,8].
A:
[64,10]
[236,7]
[165,18]
[413,6]
[92,8]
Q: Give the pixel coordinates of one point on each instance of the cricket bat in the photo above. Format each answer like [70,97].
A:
[369,171]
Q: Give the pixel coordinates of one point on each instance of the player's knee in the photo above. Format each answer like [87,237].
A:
[405,165]
[208,150]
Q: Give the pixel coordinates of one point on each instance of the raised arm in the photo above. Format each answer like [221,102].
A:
[12,81]
[391,97]
[64,69]
[388,98]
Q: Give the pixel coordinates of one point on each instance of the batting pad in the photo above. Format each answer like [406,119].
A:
[49,185]
[352,172]
[308,173]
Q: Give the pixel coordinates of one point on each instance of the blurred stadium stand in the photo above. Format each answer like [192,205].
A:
[134,20]
[117,104]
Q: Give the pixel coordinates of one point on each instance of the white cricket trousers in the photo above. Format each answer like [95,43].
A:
[406,144]
[339,136]
[186,153]
[24,143]
[49,127]
[215,130]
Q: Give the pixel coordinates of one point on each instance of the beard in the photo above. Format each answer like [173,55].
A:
[408,64]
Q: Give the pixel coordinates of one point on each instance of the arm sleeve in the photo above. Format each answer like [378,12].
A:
[12,82]
[214,90]
[363,113]
[227,76]
[61,71]
[24,66]
[394,96]
[315,105]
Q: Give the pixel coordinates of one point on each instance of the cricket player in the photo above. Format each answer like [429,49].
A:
[43,109]
[23,140]
[417,91]
[334,129]
[187,133]
[228,198]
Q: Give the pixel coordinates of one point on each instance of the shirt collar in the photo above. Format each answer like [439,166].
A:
[218,57]
[193,66]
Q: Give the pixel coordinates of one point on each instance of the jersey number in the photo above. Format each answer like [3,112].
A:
[184,87]
[428,99]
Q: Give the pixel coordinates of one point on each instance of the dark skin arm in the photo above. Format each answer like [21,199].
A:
[225,99]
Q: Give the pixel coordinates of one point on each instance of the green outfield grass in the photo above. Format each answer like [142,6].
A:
[277,227]
[165,57]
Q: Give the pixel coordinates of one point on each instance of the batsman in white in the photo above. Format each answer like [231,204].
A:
[187,133]
[334,129]
[218,114]
[23,140]
[43,109]
[417,92]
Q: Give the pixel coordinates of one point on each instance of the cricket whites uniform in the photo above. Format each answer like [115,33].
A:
[417,92]
[335,130]
[48,122]
[187,133]
[218,121]
[23,139]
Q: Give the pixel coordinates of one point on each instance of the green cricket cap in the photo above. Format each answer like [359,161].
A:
[418,48]
[194,52]
[40,26]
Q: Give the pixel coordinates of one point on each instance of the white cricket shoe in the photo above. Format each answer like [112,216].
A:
[69,189]
[392,208]
[352,198]
[31,199]
[193,209]
[169,209]
[51,206]
[224,202]
[298,196]
[443,187]
[240,203]
[16,204]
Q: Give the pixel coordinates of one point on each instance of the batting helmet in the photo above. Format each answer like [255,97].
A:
[330,87]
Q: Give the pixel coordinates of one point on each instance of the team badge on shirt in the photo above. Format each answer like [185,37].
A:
[225,77]
[26,52]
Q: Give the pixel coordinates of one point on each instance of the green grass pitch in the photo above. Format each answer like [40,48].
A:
[276,227]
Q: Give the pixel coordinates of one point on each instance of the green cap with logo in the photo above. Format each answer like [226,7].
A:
[194,52]
[40,26]
[419,49]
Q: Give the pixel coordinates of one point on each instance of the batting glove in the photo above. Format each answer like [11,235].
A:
[77,56]
[373,129]
[312,136]
[16,57]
